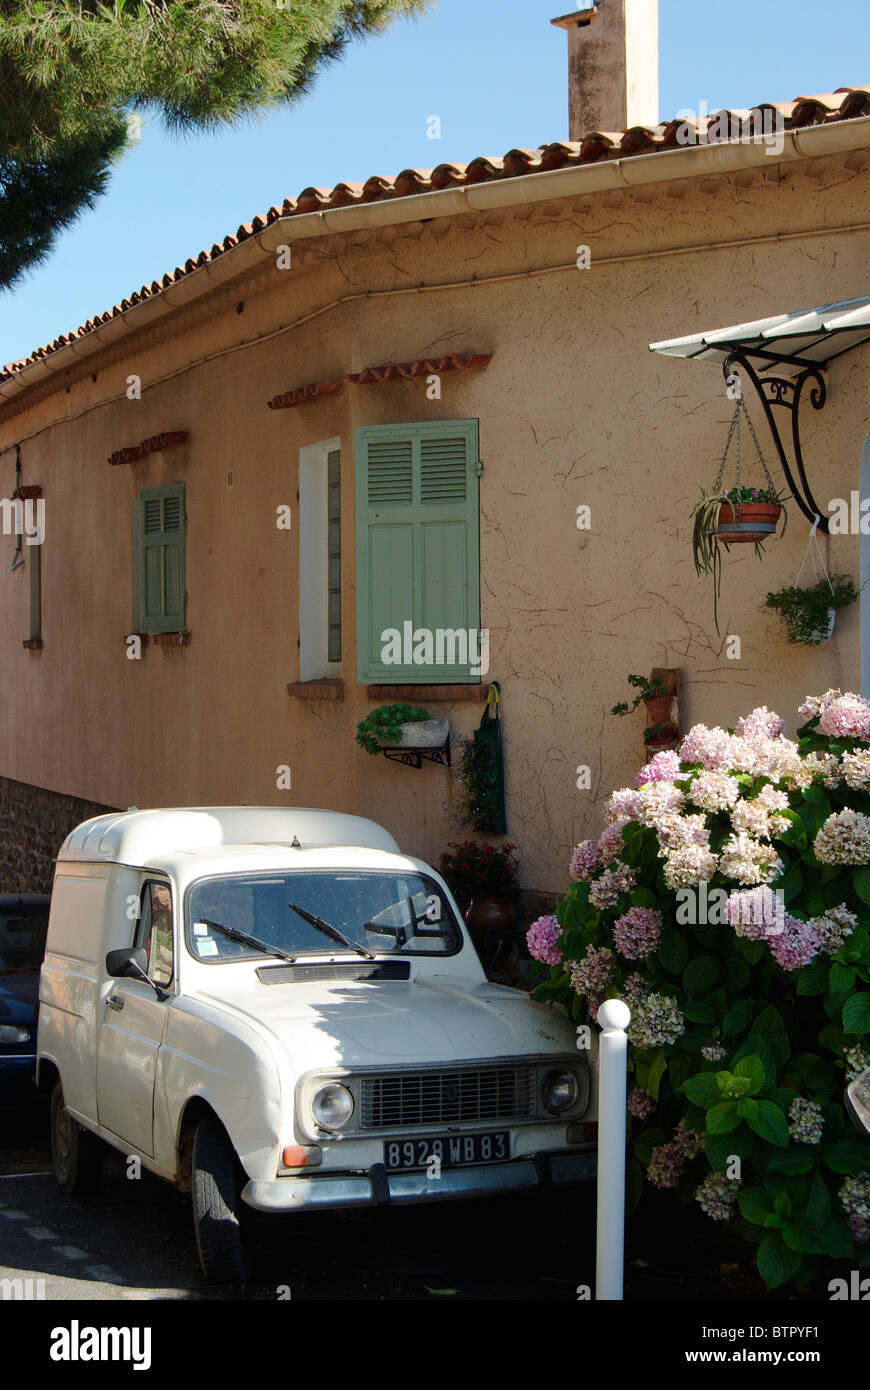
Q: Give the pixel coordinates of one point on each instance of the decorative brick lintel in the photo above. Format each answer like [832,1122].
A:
[33,644]
[424,694]
[322,689]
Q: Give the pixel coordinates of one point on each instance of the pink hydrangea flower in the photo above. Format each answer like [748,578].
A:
[797,945]
[637,932]
[640,1103]
[586,860]
[542,940]
[762,722]
[664,767]
[846,717]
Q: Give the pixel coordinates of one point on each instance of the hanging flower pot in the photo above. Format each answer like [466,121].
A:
[744,522]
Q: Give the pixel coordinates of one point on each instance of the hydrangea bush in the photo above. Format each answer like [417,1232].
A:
[728,903]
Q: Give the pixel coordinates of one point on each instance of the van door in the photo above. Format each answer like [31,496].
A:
[134,1026]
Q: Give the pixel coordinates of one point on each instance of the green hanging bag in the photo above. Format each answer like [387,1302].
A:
[489,767]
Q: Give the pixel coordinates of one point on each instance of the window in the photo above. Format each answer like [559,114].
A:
[418,579]
[159,535]
[154,932]
[320,561]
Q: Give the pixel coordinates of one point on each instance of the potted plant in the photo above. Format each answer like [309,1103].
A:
[483,878]
[401,726]
[654,695]
[478,797]
[809,613]
[659,736]
[741,515]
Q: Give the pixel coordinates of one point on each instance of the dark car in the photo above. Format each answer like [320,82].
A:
[23,927]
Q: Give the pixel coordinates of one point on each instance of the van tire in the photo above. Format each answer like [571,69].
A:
[217,1206]
[77,1154]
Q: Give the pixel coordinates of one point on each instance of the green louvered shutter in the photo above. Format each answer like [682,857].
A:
[418,550]
[160,526]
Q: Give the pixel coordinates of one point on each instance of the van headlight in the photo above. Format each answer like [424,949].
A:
[332,1106]
[559,1091]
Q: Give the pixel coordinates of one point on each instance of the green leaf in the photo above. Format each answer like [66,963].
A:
[770,1026]
[747,1108]
[814,795]
[736,973]
[700,975]
[770,1123]
[861,884]
[813,978]
[642,897]
[646,1141]
[751,1068]
[719,1148]
[803,1236]
[818,1207]
[698,1012]
[703,1090]
[790,1162]
[755,1046]
[836,1239]
[738,1018]
[842,978]
[856,1013]
[658,1067]
[776,1263]
[673,952]
[722,1118]
[848,1156]
[792,884]
[752,950]
[754,1205]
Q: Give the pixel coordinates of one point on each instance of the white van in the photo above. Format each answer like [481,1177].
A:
[275,1008]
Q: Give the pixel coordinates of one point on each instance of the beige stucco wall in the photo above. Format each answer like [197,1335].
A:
[573,410]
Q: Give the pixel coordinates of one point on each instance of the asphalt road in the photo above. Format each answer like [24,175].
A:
[134,1240]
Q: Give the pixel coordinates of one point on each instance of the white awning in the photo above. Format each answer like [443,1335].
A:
[785,341]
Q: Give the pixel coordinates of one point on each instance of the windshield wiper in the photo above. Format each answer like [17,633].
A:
[234,934]
[331,931]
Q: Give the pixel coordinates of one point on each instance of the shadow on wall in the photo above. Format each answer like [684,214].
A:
[33,825]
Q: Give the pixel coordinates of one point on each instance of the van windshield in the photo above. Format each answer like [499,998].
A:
[385,913]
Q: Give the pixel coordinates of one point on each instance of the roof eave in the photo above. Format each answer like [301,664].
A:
[572,181]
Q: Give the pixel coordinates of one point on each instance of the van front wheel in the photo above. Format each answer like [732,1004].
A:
[217,1206]
[76,1153]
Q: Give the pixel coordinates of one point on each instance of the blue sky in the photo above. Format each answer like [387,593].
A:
[496,75]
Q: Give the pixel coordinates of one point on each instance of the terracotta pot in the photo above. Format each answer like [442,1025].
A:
[758,520]
[493,914]
[659,708]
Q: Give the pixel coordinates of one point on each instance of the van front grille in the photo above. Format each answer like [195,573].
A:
[407,1099]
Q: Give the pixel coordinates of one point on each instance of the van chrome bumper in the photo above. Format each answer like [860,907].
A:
[378,1187]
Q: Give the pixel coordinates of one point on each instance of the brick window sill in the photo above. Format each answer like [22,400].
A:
[322,689]
[422,693]
[33,644]
[165,639]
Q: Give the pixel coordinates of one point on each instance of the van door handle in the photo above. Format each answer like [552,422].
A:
[114,1002]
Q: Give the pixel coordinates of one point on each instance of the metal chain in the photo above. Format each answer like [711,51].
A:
[740,409]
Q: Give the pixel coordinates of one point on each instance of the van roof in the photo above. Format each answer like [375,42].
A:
[138,837]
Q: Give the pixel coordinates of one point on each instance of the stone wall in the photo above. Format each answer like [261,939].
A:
[33,825]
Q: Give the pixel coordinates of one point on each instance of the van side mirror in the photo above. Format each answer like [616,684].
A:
[129,962]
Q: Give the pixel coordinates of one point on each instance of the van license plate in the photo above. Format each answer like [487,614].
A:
[453,1150]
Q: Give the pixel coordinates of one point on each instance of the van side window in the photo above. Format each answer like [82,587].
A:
[155,931]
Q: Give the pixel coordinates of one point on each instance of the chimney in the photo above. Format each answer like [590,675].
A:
[613,65]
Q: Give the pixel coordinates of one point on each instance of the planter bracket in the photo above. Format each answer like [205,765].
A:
[779,391]
[413,757]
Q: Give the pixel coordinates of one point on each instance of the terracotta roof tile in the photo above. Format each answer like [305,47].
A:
[846,103]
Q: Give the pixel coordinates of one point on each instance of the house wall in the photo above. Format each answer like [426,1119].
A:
[573,409]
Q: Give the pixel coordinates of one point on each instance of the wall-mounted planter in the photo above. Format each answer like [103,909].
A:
[426,738]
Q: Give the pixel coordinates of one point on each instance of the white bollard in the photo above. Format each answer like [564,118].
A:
[613,1018]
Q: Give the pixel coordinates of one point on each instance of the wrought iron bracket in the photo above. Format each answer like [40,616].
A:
[413,757]
[778,391]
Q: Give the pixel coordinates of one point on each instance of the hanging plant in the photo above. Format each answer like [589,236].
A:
[807,612]
[739,515]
